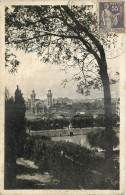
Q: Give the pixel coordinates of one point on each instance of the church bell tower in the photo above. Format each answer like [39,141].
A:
[33,95]
[49,98]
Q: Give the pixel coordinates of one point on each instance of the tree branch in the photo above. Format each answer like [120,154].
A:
[85,30]
[47,34]
[90,49]
[87,45]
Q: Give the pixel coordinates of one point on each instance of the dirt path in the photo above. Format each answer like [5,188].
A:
[30,177]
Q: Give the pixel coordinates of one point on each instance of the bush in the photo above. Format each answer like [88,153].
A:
[102,140]
[72,164]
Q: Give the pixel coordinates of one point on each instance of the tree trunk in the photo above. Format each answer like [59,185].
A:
[107,107]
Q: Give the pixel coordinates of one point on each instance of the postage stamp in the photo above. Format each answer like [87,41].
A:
[111,16]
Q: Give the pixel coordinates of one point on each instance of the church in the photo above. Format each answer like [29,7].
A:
[36,108]
[48,108]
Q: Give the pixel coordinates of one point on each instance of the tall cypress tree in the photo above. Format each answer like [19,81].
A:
[14,135]
[19,107]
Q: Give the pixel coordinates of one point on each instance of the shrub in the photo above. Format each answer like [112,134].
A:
[102,140]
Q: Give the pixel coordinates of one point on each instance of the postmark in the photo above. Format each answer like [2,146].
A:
[111,16]
[119,49]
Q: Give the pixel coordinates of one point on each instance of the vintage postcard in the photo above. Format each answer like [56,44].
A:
[63,97]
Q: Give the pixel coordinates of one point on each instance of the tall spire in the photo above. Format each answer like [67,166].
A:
[49,98]
[33,95]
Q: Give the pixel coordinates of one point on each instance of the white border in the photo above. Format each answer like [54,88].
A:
[122,190]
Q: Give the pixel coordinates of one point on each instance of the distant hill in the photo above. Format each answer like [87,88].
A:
[68,100]
[83,100]
[65,100]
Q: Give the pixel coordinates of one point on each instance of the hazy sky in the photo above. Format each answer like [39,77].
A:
[34,74]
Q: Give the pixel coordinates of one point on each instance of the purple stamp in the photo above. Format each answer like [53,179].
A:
[111,16]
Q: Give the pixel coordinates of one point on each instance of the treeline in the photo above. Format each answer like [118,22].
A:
[78,122]
[100,121]
[47,124]
[81,122]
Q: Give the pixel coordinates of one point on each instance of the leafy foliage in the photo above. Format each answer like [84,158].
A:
[11,60]
[60,35]
[75,166]
[102,139]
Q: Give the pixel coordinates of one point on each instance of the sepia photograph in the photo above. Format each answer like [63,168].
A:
[62,95]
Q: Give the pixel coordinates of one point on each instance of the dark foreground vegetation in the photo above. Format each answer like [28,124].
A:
[15,133]
[74,166]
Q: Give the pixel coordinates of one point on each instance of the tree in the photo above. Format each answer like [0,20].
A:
[20,122]
[66,35]
[14,134]
[10,160]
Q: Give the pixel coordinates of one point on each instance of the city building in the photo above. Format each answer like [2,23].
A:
[35,107]
[59,108]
